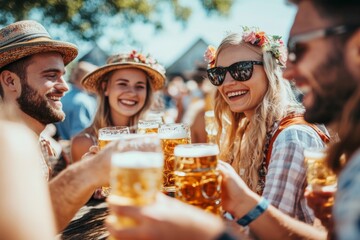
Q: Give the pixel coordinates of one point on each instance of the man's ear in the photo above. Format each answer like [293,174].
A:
[10,81]
[352,53]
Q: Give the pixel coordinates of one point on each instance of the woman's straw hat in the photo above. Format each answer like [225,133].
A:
[25,38]
[154,70]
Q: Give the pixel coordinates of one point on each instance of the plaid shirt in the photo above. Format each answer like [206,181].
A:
[47,153]
[286,178]
[347,206]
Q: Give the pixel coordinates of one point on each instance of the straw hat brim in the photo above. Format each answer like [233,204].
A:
[17,51]
[91,81]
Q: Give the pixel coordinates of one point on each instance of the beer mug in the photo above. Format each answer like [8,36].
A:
[105,136]
[108,134]
[136,173]
[148,126]
[171,135]
[319,176]
[210,126]
[197,181]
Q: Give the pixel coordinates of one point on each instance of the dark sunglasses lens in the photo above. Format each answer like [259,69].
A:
[241,71]
[216,75]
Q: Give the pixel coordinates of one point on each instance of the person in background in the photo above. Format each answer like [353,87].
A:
[32,66]
[194,114]
[79,105]
[124,86]
[324,53]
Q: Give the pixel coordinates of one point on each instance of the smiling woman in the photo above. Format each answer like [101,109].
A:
[124,88]
[253,103]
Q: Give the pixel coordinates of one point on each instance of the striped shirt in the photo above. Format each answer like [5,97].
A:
[286,177]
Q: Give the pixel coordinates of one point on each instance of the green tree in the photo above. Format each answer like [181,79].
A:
[85,20]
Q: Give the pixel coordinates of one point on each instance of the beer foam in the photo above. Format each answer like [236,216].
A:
[316,153]
[111,137]
[174,135]
[196,150]
[136,159]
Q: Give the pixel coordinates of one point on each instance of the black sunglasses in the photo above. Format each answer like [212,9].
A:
[239,71]
[294,41]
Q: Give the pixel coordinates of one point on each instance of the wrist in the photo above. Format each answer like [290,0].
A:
[249,200]
[254,213]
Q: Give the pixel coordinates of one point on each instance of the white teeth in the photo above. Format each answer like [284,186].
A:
[233,94]
[128,102]
[54,98]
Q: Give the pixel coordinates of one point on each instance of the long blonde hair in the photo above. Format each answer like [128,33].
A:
[103,118]
[243,139]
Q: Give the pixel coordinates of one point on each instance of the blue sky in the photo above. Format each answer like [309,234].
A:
[272,16]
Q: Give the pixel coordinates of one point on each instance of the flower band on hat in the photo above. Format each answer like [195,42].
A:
[134,59]
[25,38]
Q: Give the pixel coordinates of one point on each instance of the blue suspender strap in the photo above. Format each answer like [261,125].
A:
[254,213]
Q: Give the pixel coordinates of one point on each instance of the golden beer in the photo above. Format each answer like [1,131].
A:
[107,135]
[319,176]
[170,136]
[135,179]
[136,174]
[148,126]
[197,181]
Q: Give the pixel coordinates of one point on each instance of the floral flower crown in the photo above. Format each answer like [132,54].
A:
[252,35]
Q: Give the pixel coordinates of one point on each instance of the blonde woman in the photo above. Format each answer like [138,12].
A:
[124,88]
[253,103]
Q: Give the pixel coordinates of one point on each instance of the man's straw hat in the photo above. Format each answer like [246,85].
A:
[154,70]
[25,38]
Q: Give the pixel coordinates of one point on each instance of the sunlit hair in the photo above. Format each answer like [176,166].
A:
[246,151]
[103,117]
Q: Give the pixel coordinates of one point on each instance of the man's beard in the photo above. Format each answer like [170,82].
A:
[36,106]
[340,86]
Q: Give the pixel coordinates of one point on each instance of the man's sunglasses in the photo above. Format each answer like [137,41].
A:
[239,71]
[293,44]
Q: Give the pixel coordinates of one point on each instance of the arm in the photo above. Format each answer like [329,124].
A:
[73,187]
[238,199]
[25,202]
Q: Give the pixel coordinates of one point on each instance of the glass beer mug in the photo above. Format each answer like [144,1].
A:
[148,126]
[136,174]
[105,136]
[320,177]
[171,135]
[197,181]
